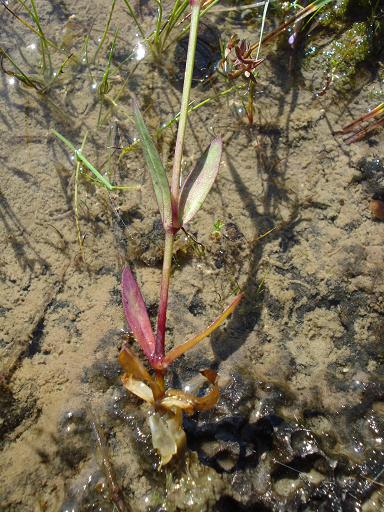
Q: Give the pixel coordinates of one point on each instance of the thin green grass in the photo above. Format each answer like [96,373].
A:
[33,14]
[105,84]
[80,238]
[207,6]
[46,75]
[45,54]
[160,39]
[29,81]
[105,33]
[34,81]
[36,28]
[163,25]
[96,177]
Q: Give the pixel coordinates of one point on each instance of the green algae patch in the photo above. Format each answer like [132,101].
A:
[344,56]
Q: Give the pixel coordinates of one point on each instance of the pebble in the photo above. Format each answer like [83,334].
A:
[377,208]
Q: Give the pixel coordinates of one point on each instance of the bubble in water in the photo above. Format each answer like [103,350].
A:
[140,51]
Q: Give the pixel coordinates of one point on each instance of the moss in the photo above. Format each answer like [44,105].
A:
[347,54]
[344,55]
[333,18]
[358,40]
[344,12]
[359,10]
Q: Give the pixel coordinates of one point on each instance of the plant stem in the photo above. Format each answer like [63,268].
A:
[175,187]
[162,314]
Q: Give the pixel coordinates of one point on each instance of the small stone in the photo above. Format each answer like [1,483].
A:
[377,209]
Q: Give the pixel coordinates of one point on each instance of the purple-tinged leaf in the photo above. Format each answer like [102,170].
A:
[155,168]
[136,313]
[199,182]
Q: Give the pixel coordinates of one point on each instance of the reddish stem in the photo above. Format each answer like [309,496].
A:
[163,305]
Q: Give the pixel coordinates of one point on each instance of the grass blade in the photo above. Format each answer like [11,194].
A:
[306,11]
[373,113]
[98,177]
[156,169]
[106,29]
[21,76]
[79,155]
[135,19]
[66,141]
[199,182]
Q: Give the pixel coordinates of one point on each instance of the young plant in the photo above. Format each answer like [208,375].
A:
[83,165]
[241,58]
[178,204]
[159,39]
[218,226]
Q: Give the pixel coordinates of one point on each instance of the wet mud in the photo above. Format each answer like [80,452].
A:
[300,422]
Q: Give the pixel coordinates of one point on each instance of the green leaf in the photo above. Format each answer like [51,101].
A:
[79,155]
[98,177]
[199,182]
[156,169]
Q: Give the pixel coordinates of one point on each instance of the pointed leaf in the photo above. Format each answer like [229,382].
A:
[134,368]
[136,313]
[156,169]
[132,365]
[199,182]
[187,345]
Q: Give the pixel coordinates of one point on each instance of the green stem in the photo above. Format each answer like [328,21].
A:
[177,11]
[175,187]
[106,29]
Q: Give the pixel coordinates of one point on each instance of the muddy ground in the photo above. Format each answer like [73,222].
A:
[299,425]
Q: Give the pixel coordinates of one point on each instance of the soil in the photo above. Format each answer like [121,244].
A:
[299,425]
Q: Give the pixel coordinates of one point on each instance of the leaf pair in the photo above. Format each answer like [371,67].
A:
[196,186]
[140,325]
[138,381]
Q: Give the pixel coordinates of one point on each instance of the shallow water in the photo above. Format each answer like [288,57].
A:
[299,426]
